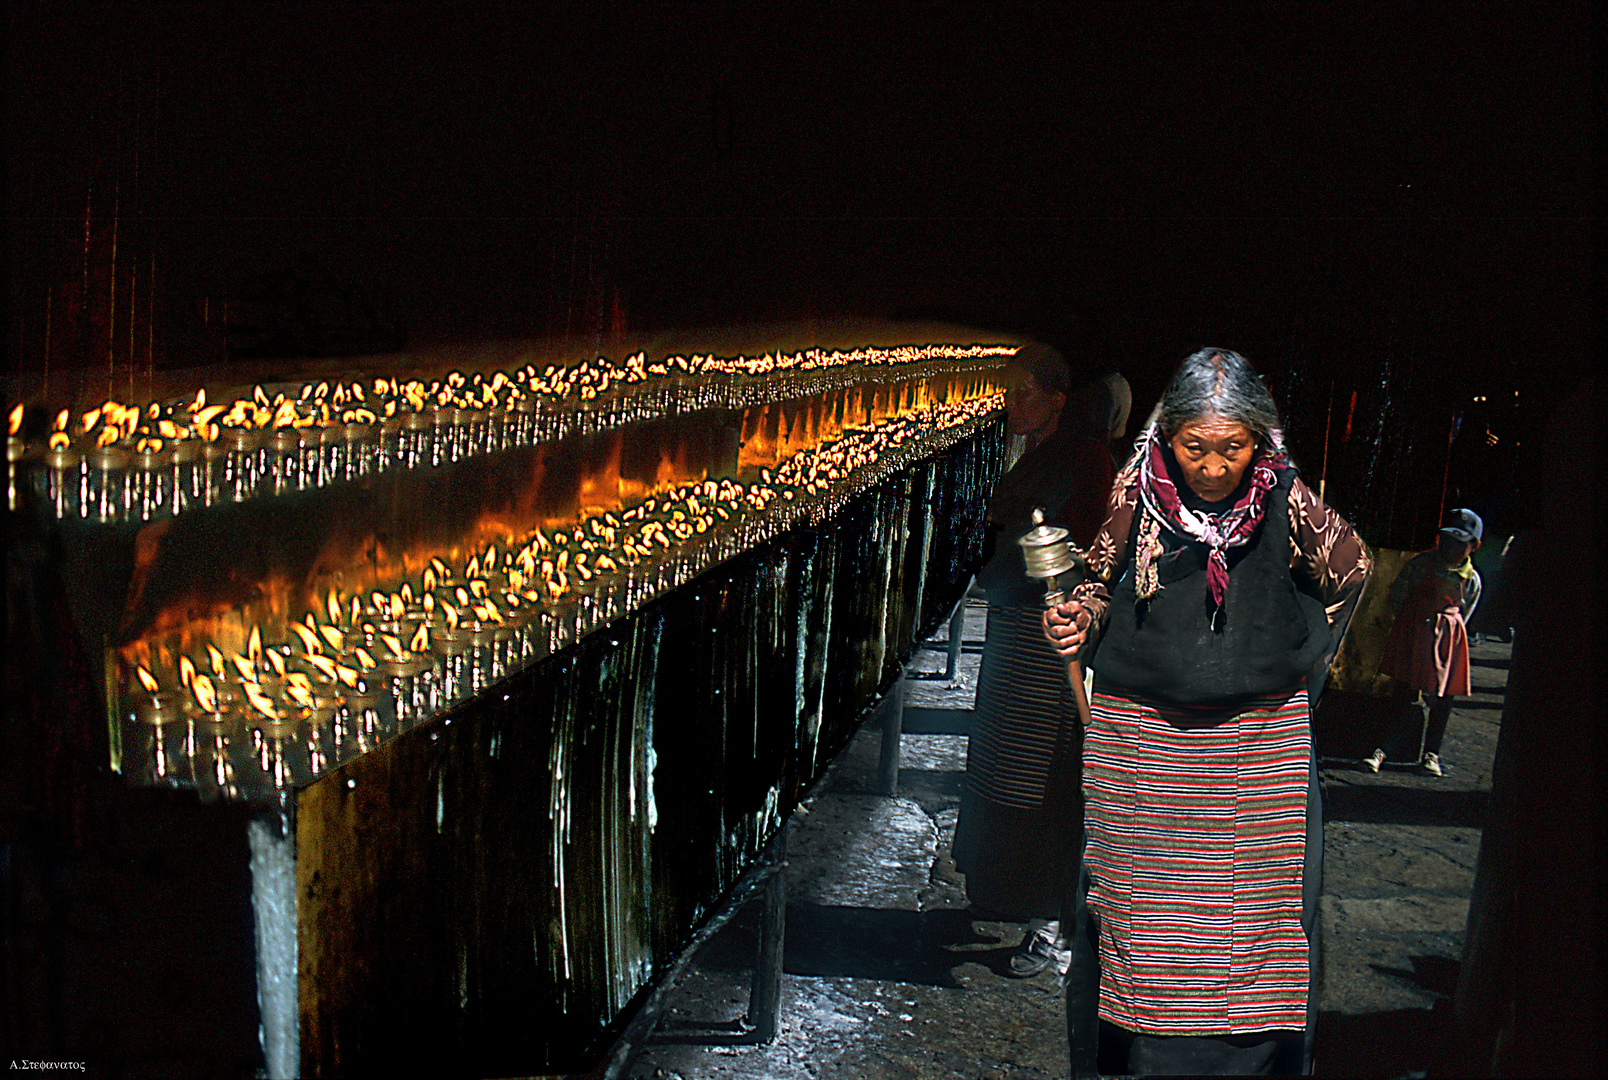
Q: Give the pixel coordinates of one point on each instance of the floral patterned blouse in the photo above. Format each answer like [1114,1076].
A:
[1322,545]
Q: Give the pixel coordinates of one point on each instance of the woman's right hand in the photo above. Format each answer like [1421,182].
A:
[1066,625]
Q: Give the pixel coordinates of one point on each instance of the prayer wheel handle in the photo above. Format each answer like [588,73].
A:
[1049,557]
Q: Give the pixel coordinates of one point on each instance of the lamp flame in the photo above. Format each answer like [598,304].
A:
[420,640]
[205,694]
[186,670]
[299,688]
[147,680]
[308,639]
[261,701]
[14,421]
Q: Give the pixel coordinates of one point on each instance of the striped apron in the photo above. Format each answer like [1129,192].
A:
[1024,705]
[1020,822]
[1196,828]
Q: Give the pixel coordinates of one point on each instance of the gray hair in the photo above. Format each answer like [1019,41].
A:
[1217,382]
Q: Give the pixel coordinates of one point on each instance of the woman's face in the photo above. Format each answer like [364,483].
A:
[1213,454]
[1029,410]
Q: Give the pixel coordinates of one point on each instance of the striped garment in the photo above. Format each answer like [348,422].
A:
[1023,704]
[1196,827]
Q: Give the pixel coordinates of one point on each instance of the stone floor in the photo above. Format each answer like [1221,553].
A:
[888,975]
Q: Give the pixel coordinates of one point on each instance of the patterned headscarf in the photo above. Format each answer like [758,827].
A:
[1163,508]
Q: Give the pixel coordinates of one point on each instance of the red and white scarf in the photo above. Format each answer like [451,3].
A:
[1163,508]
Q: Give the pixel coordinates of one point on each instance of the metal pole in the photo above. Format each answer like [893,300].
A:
[957,630]
[273,903]
[892,727]
[764,1000]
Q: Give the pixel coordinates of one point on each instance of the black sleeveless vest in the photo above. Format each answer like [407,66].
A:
[1270,632]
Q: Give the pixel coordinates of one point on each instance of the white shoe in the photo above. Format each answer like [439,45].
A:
[1432,765]
[1041,948]
[1375,761]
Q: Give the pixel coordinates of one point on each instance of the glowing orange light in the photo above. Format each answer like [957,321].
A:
[147,680]
[299,688]
[186,670]
[14,421]
[59,440]
[261,701]
[308,639]
[205,694]
[420,640]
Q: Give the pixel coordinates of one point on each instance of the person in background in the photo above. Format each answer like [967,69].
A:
[1120,397]
[1218,586]
[1020,822]
[1494,558]
[1427,650]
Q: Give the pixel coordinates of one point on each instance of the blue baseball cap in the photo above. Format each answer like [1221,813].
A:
[1463,525]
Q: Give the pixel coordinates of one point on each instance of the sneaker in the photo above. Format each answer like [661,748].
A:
[1432,765]
[1375,761]
[1039,950]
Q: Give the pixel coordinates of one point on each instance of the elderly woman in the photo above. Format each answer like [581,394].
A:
[1215,589]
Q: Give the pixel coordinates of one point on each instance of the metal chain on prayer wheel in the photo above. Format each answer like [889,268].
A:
[1051,558]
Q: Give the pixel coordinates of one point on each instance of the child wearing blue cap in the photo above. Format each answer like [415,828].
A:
[1427,650]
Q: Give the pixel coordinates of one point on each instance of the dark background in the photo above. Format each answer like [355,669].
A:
[1387,207]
